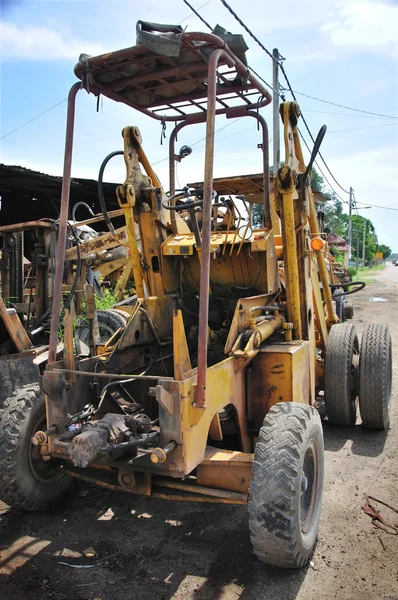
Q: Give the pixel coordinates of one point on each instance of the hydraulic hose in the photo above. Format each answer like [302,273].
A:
[101,188]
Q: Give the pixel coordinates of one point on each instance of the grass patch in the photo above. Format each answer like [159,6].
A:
[363,270]
[107,301]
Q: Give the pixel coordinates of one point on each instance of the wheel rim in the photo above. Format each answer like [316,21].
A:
[309,487]
[42,470]
[105,333]
[353,378]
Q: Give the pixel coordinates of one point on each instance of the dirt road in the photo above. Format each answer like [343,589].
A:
[152,549]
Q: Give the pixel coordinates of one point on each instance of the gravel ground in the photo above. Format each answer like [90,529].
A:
[152,549]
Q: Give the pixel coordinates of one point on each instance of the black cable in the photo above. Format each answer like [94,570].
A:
[197,14]
[233,13]
[77,206]
[101,189]
[241,23]
[359,286]
[249,287]
[321,172]
[307,128]
[77,274]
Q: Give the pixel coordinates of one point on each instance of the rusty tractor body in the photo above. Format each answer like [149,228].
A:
[210,391]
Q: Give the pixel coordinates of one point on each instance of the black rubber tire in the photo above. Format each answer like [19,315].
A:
[340,302]
[375,374]
[26,481]
[342,354]
[109,321]
[283,530]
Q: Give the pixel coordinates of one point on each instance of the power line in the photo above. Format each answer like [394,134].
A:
[34,119]
[193,12]
[366,112]
[326,112]
[194,144]
[197,13]
[377,206]
[241,23]
[362,128]
[321,172]
[233,13]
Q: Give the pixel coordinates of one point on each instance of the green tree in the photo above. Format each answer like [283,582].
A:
[385,249]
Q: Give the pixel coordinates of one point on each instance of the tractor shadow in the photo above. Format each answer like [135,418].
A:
[365,442]
[148,549]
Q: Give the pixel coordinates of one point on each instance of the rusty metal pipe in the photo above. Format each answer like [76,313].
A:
[172,169]
[206,228]
[60,256]
[242,69]
[266,184]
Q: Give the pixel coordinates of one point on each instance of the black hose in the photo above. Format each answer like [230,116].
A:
[145,440]
[249,287]
[101,188]
[77,274]
[359,286]
[77,206]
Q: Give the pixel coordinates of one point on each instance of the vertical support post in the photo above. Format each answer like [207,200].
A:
[350,224]
[172,170]
[63,224]
[206,226]
[364,244]
[275,111]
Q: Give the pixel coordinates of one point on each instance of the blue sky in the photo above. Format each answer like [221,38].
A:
[342,51]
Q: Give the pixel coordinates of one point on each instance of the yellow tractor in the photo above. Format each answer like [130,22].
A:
[211,391]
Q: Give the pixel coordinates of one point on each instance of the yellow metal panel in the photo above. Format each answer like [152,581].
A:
[224,387]
[182,362]
[226,470]
[279,373]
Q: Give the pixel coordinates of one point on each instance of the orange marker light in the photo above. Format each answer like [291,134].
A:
[317,244]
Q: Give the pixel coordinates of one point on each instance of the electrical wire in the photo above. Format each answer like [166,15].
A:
[246,28]
[362,128]
[377,206]
[34,119]
[366,112]
[321,172]
[193,12]
[327,112]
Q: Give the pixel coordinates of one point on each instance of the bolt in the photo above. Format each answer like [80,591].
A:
[39,438]
[127,479]
[158,456]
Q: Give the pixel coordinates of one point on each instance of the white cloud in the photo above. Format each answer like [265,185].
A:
[42,43]
[364,24]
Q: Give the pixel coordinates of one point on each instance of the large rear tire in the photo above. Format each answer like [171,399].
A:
[341,363]
[109,321]
[286,486]
[26,480]
[375,373]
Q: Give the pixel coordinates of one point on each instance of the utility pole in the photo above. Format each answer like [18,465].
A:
[363,244]
[350,224]
[275,113]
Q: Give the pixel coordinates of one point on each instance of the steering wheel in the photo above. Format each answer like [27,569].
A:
[187,193]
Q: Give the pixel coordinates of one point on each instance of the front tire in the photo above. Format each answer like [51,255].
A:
[26,481]
[286,486]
